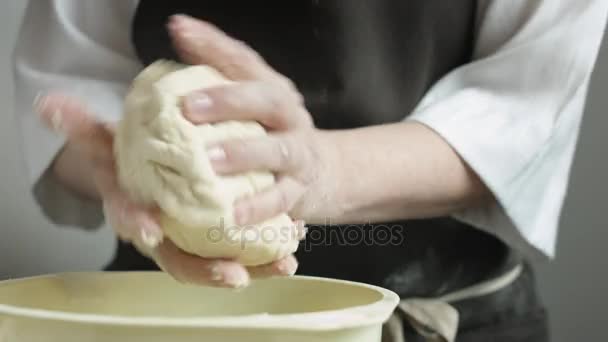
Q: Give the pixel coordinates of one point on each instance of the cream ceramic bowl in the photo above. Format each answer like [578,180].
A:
[150,307]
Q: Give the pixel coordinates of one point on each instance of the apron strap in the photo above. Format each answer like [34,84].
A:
[435,318]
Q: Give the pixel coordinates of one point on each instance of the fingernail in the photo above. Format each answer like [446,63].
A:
[39,102]
[56,118]
[288,268]
[303,233]
[237,279]
[301,229]
[215,273]
[198,104]
[216,154]
[150,240]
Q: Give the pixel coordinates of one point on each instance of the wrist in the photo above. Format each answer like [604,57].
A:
[322,201]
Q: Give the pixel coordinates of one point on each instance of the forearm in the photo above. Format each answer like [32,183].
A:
[75,172]
[397,171]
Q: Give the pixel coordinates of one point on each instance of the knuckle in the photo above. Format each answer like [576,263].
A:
[288,89]
[287,84]
[242,47]
[235,151]
[231,64]
[241,52]
[231,98]
[276,108]
[288,106]
[304,118]
[276,102]
[293,92]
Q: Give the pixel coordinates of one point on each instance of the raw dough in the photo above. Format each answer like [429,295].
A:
[162,159]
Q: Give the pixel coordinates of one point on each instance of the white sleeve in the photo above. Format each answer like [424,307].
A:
[513,113]
[80,47]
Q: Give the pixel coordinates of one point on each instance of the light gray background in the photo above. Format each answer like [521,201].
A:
[574,286]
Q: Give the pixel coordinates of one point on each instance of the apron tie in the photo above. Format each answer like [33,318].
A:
[435,318]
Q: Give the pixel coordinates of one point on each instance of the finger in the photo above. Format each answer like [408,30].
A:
[69,116]
[287,266]
[269,203]
[66,115]
[135,225]
[200,42]
[147,222]
[276,153]
[192,269]
[132,222]
[271,106]
[301,229]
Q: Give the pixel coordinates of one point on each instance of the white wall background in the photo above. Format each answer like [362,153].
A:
[575,285]
[28,245]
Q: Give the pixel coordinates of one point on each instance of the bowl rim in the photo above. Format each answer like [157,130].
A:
[374,313]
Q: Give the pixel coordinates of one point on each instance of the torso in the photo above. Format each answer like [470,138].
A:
[358,63]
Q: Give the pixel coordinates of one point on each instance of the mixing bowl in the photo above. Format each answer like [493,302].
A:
[151,306]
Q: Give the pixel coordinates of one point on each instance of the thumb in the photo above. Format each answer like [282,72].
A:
[70,117]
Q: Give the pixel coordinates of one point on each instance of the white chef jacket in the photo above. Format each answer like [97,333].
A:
[513,113]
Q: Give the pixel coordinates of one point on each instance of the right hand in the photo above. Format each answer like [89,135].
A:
[133,222]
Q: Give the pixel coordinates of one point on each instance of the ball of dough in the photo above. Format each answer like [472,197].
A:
[162,159]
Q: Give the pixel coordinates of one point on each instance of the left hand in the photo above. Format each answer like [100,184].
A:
[93,140]
[295,151]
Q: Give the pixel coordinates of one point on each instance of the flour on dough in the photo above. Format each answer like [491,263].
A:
[162,159]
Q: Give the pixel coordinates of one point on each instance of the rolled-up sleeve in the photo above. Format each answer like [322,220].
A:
[81,48]
[513,114]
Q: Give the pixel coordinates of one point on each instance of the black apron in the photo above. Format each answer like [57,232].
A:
[361,63]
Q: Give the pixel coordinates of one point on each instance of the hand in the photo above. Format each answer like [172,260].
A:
[294,149]
[131,221]
[321,175]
